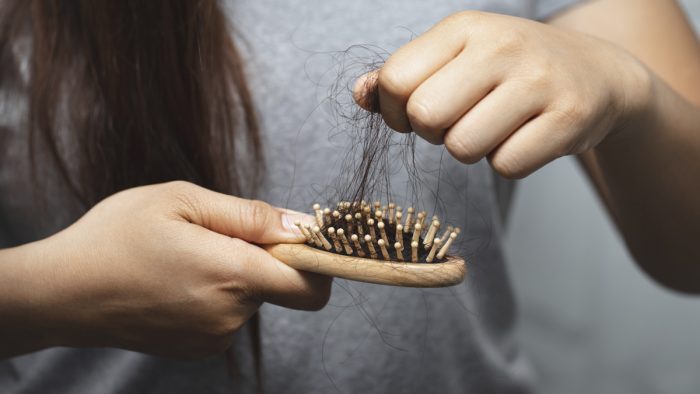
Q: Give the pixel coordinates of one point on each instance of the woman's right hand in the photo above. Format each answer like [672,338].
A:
[169,269]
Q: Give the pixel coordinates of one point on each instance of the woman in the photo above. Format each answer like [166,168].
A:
[107,96]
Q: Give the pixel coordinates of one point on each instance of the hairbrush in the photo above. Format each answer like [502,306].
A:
[376,244]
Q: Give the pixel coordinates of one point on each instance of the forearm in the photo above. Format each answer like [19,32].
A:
[649,175]
[25,324]
[648,172]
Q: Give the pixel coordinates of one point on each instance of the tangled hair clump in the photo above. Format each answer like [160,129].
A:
[375,152]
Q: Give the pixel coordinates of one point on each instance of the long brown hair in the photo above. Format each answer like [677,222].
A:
[143,91]
[123,93]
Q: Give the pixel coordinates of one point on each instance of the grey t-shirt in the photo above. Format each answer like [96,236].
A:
[370,338]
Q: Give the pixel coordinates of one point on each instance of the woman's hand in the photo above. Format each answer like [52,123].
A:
[516,91]
[169,269]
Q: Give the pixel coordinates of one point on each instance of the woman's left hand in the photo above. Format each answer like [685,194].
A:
[519,92]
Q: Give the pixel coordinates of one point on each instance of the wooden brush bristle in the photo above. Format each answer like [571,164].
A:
[354,229]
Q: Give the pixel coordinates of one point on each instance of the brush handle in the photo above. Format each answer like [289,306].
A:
[306,258]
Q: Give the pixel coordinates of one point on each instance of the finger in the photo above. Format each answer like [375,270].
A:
[288,211]
[264,278]
[250,220]
[538,142]
[282,285]
[365,91]
[409,66]
[491,121]
[449,93]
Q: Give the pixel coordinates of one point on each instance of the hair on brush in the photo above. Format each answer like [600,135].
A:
[373,242]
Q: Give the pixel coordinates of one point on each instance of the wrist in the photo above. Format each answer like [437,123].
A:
[42,301]
[26,300]
[638,103]
[64,294]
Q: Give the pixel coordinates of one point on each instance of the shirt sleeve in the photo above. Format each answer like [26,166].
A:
[545,9]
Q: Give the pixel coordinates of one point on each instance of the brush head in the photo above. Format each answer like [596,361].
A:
[357,218]
[376,246]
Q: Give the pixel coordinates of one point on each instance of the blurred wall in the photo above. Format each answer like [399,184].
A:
[590,320]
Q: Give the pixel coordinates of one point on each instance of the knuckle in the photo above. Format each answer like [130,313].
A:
[508,165]
[538,76]
[178,186]
[393,82]
[458,22]
[460,147]
[259,215]
[466,16]
[185,198]
[572,111]
[421,116]
[509,41]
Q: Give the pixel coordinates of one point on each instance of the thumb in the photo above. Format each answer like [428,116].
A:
[365,91]
[250,220]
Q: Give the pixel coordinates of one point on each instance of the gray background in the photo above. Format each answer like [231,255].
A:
[591,321]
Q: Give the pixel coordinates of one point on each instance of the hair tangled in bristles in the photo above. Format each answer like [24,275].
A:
[375,152]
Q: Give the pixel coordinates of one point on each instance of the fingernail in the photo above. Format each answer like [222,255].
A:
[289,222]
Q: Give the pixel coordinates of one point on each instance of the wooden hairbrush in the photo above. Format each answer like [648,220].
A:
[375,246]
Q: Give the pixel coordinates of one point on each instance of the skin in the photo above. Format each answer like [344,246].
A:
[173,269]
[615,84]
[167,269]
[657,213]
